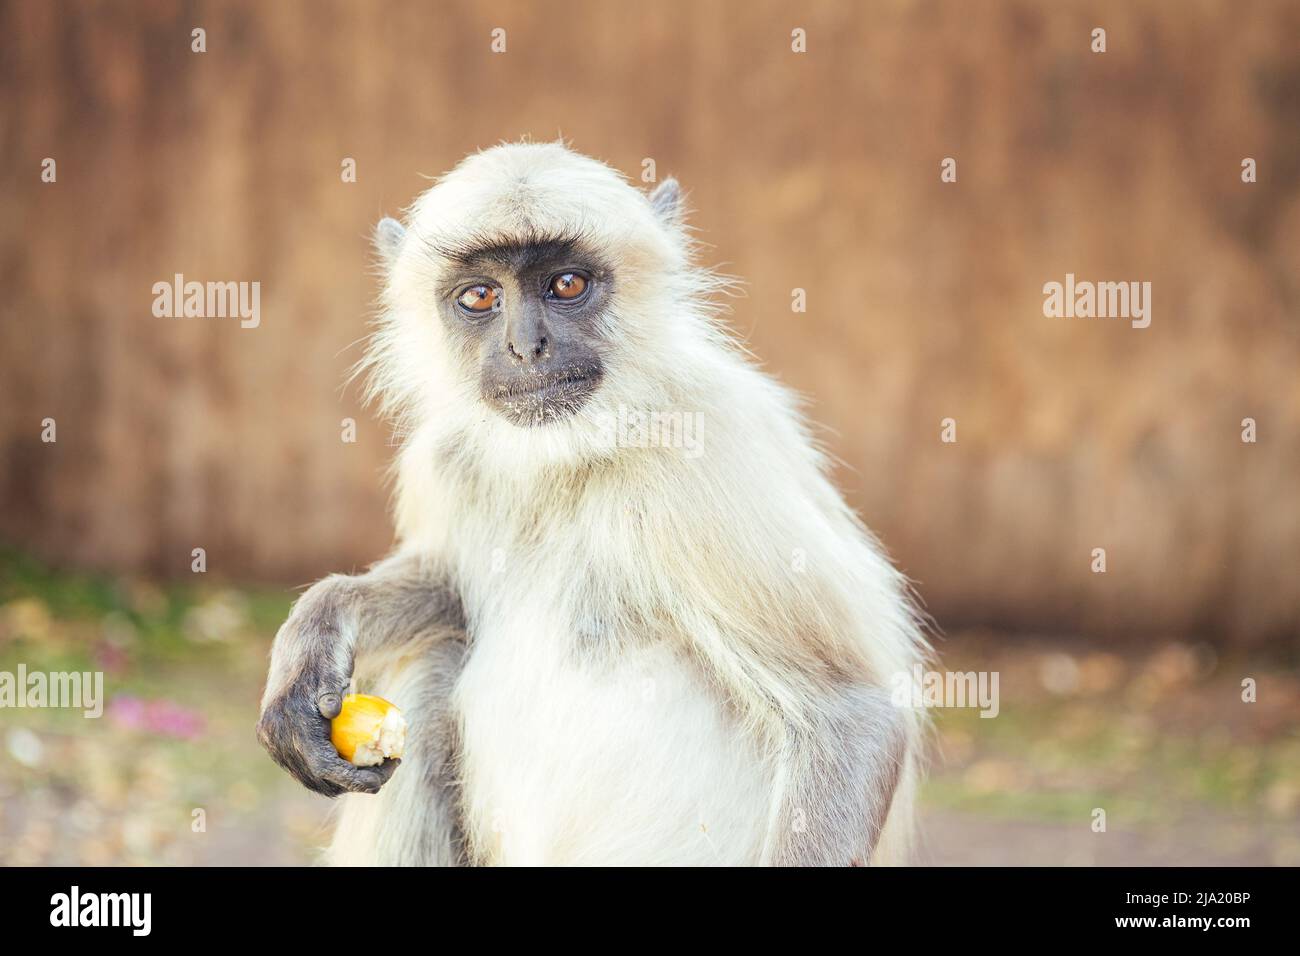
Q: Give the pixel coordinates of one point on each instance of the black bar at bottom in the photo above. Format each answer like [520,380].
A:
[363,907]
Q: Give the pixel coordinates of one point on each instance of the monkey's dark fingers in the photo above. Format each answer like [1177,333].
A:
[386,769]
[278,736]
[329,702]
[328,767]
[295,730]
[330,687]
[297,737]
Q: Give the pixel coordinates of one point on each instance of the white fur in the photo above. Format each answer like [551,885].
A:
[644,632]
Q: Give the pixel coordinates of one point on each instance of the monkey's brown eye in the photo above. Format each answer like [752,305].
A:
[568,285]
[478,298]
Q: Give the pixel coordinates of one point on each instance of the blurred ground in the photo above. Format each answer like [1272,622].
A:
[1160,739]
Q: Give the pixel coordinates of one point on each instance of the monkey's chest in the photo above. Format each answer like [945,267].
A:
[629,760]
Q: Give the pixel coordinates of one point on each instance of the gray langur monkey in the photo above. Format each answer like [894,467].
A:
[613,645]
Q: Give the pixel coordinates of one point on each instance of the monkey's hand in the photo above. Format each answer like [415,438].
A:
[297,710]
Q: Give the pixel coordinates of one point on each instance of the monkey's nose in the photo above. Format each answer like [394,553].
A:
[529,353]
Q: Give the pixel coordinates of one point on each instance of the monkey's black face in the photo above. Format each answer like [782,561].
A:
[529,316]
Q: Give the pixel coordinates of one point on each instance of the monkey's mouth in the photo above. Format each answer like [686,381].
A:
[529,400]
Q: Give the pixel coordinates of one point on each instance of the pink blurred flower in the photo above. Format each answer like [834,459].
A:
[162,717]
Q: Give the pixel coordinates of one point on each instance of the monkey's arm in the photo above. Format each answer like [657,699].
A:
[836,780]
[338,619]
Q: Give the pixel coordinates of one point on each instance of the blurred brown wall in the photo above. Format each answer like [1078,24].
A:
[819,171]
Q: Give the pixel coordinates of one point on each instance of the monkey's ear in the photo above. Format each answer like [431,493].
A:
[388,239]
[666,200]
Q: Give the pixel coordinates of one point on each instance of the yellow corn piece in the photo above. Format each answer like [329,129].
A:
[368,730]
